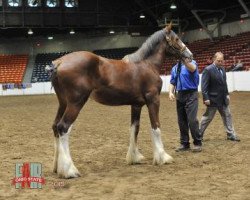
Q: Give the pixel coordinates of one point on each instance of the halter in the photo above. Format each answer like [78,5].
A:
[174,48]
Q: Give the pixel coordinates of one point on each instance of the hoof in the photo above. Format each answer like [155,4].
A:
[134,157]
[72,172]
[162,158]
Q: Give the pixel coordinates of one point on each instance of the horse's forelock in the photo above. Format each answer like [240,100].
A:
[171,34]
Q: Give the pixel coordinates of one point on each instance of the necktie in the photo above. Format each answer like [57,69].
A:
[220,71]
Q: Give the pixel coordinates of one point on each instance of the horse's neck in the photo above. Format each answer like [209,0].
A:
[158,58]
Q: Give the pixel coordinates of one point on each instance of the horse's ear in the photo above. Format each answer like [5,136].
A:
[169,27]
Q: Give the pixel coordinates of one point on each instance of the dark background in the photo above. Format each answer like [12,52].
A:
[98,16]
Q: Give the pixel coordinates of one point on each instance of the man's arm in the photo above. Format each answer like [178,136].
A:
[171,92]
[189,65]
[205,85]
[226,83]
[228,97]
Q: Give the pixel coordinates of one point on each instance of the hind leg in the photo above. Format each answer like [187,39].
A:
[59,115]
[65,165]
[133,155]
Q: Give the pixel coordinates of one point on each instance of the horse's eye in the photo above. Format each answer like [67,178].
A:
[177,39]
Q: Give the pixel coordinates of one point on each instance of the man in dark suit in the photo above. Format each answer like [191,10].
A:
[216,96]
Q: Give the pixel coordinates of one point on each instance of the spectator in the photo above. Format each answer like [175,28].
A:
[238,66]
[209,61]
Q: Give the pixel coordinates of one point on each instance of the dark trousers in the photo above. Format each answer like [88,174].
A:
[187,108]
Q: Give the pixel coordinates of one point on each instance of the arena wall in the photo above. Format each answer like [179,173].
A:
[231,29]
[237,81]
[61,43]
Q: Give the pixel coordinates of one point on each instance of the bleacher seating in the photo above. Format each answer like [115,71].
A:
[39,74]
[244,53]
[203,50]
[12,68]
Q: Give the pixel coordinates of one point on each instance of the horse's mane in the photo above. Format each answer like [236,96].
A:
[147,47]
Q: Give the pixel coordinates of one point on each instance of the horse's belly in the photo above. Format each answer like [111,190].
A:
[116,97]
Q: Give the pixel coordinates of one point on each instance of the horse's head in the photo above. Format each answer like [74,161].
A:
[176,46]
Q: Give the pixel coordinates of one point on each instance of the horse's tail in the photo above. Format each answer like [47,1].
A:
[51,69]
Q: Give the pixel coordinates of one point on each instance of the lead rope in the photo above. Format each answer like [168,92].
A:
[178,72]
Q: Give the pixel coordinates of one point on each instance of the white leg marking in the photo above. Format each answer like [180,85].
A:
[133,155]
[65,165]
[56,141]
[160,156]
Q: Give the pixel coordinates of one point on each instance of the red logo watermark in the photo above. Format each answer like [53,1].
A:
[28,175]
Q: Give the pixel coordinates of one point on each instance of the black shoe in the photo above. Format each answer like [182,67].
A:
[233,138]
[182,148]
[197,148]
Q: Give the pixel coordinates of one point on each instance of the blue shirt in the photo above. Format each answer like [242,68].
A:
[187,80]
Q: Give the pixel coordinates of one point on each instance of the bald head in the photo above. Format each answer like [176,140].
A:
[218,59]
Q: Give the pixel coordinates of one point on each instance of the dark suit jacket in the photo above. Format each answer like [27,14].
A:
[214,86]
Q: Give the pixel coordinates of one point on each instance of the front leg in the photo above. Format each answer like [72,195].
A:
[160,156]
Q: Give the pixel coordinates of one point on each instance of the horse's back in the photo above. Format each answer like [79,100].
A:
[78,58]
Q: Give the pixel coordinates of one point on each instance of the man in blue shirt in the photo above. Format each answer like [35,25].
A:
[184,81]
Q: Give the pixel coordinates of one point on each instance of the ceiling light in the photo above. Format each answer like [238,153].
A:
[13,3]
[173,6]
[70,3]
[112,32]
[30,32]
[33,3]
[72,31]
[50,38]
[142,16]
[52,3]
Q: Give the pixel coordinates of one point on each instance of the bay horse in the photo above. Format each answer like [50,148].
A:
[134,81]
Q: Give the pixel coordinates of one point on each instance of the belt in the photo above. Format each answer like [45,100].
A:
[187,91]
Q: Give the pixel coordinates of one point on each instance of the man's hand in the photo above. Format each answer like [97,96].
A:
[227,100]
[171,92]
[186,60]
[189,65]
[207,102]
[171,96]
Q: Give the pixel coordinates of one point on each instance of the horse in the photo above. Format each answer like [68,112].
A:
[133,80]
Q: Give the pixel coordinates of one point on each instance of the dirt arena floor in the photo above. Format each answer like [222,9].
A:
[99,143]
